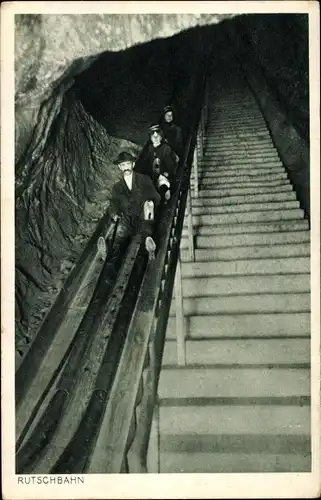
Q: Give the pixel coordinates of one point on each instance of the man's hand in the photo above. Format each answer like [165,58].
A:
[150,246]
[149,210]
[167,195]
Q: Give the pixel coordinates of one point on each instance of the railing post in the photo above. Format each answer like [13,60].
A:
[180,324]
[153,462]
[195,170]
[190,226]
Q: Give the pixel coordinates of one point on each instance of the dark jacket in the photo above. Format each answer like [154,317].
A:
[174,136]
[129,204]
[167,162]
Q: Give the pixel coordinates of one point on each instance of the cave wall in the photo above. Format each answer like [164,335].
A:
[280,44]
[65,173]
[47,45]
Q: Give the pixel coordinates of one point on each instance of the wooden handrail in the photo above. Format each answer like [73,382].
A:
[127,419]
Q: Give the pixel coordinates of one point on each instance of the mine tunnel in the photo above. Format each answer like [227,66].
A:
[68,133]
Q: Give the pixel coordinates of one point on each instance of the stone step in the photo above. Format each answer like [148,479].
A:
[218,171]
[240,178]
[230,127]
[216,119]
[235,122]
[288,265]
[263,303]
[246,217]
[240,157]
[227,138]
[228,462]
[237,145]
[249,207]
[230,130]
[249,241]
[218,382]
[218,184]
[234,162]
[240,351]
[242,200]
[243,325]
[237,191]
[245,252]
[245,285]
[248,227]
[222,420]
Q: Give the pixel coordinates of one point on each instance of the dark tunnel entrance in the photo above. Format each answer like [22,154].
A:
[110,106]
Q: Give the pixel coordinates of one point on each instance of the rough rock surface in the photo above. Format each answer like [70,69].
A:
[64,170]
[280,44]
[47,45]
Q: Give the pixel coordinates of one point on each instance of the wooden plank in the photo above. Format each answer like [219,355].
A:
[30,366]
[75,387]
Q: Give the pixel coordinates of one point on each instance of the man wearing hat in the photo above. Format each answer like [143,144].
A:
[159,162]
[172,132]
[133,201]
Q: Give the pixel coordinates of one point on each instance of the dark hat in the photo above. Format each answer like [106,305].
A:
[168,108]
[155,128]
[124,156]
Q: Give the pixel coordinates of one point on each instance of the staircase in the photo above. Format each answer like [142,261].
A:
[242,401]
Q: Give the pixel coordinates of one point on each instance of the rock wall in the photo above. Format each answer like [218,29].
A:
[280,44]
[64,168]
[46,46]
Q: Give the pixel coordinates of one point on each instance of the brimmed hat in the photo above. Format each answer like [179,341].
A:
[124,156]
[155,128]
[168,108]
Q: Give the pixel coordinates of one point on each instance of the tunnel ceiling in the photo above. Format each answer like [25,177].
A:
[49,46]
[45,45]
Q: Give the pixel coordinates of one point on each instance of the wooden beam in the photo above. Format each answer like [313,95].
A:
[180,331]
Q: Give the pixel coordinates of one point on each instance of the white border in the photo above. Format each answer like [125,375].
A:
[152,485]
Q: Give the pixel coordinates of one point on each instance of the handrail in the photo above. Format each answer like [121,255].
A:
[132,390]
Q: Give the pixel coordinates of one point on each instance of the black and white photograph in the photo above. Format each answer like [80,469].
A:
[165,258]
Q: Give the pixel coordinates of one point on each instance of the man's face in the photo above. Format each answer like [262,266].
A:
[168,116]
[156,138]
[126,167]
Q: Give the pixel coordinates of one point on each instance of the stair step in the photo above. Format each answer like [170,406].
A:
[231,304]
[255,145]
[240,351]
[241,191]
[239,200]
[222,420]
[249,207]
[246,162]
[244,285]
[244,267]
[239,133]
[243,325]
[219,172]
[247,240]
[242,153]
[245,217]
[214,382]
[244,252]
[241,177]
[213,184]
[227,462]
[247,228]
